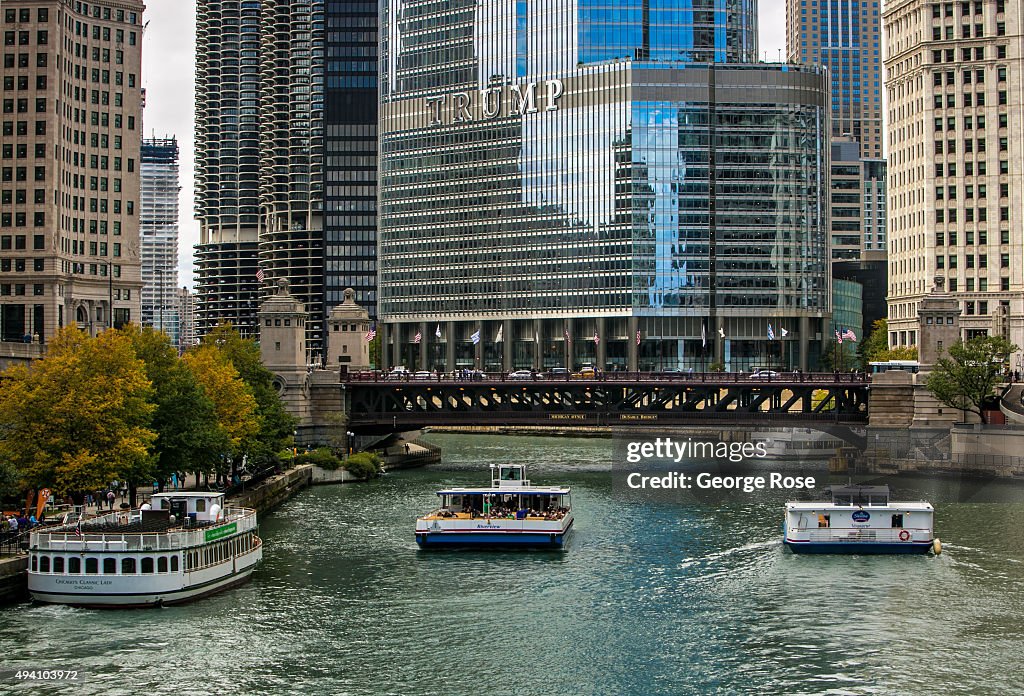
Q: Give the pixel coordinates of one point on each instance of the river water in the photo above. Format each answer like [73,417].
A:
[652,597]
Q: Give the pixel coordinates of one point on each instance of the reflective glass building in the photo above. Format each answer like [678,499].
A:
[557,189]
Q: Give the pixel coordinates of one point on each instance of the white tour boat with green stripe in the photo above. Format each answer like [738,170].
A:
[180,547]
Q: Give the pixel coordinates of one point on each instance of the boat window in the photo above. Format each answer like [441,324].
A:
[823,520]
[128,566]
[75,565]
[35,564]
[92,566]
[147,564]
[58,564]
[511,473]
[174,564]
[897,520]
[110,566]
[161,564]
[44,564]
[201,505]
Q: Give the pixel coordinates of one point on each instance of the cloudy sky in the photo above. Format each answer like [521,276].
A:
[169,78]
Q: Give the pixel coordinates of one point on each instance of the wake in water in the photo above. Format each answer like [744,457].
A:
[718,555]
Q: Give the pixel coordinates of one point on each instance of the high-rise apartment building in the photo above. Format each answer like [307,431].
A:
[185,306]
[956,159]
[228,163]
[858,206]
[69,190]
[306,66]
[562,187]
[844,37]
[159,231]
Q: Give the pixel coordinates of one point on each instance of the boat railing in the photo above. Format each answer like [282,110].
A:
[72,538]
[861,534]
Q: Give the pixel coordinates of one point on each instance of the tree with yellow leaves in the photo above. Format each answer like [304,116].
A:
[233,402]
[79,418]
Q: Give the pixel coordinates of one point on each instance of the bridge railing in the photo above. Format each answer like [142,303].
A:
[654,377]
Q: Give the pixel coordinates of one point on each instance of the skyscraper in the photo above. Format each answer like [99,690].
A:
[541,181]
[261,131]
[72,112]
[160,234]
[956,214]
[227,163]
[845,37]
[350,109]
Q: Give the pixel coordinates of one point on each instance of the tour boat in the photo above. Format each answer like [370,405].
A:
[180,547]
[860,519]
[511,512]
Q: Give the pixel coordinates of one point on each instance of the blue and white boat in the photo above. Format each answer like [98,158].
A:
[860,519]
[511,512]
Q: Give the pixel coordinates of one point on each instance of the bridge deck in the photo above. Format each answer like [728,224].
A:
[612,400]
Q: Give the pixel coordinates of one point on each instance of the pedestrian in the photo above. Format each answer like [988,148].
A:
[110,499]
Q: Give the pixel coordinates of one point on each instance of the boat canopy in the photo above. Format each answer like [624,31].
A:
[533,490]
[860,496]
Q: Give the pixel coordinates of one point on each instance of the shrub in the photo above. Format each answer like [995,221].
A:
[363,465]
[323,458]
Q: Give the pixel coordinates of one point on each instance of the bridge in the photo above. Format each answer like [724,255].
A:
[377,404]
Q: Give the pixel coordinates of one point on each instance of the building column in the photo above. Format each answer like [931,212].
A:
[633,359]
[538,336]
[602,345]
[423,346]
[449,348]
[396,344]
[506,345]
[383,334]
[805,342]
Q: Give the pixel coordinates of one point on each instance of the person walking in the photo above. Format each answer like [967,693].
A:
[110,499]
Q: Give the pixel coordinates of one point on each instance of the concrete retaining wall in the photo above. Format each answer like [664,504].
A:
[275,490]
[13,579]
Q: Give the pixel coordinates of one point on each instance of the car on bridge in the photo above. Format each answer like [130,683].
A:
[764,374]
[558,373]
[423,374]
[398,373]
[522,374]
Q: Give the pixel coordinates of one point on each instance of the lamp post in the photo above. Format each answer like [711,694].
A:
[349,436]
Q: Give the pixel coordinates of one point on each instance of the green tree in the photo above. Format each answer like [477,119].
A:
[876,343]
[374,348]
[276,426]
[80,417]
[188,436]
[876,347]
[968,374]
[233,402]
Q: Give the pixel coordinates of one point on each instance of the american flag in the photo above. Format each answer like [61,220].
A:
[839,338]
[597,339]
[566,332]
[638,336]
[78,528]
[259,275]
[418,337]
[371,334]
[849,335]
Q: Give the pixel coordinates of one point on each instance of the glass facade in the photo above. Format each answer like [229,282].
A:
[610,213]
[350,113]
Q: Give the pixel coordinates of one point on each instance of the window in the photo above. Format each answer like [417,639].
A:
[147,564]
[128,566]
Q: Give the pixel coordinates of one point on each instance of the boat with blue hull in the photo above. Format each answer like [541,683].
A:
[860,519]
[510,513]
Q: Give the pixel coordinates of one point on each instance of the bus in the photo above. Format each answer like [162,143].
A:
[912,366]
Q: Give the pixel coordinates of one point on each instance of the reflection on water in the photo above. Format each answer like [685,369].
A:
[652,596]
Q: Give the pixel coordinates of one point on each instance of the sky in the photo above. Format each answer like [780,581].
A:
[168,74]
